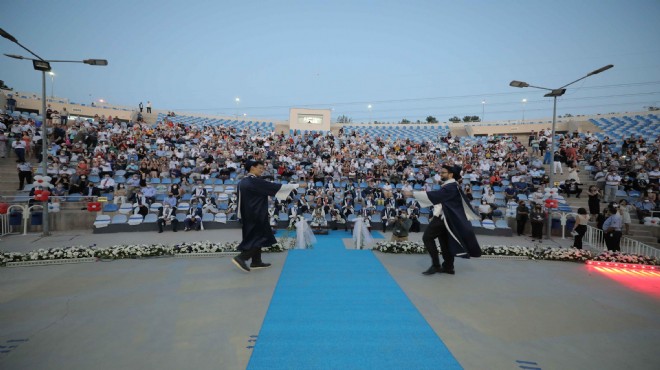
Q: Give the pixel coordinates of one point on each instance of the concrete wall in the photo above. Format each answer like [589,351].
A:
[324,125]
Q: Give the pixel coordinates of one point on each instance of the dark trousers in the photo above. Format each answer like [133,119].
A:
[24,177]
[577,241]
[521,225]
[537,230]
[437,229]
[254,254]
[20,153]
[613,240]
[161,223]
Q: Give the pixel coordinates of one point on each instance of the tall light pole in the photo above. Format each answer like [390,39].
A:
[483,109]
[52,83]
[524,103]
[369,107]
[237,100]
[42,65]
[554,93]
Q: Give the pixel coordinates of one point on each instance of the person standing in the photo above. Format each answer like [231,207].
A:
[3,144]
[522,215]
[612,181]
[141,106]
[253,193]
[450,223]
[580,227]
[612,229]
[24,173]
[148,106]
[594,201]
[19,148]
[537,222]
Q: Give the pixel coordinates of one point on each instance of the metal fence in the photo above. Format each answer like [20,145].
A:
[595,239]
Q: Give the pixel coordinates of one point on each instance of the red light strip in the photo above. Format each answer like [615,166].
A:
[632,266]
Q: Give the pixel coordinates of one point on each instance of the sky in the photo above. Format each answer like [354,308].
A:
[407,59]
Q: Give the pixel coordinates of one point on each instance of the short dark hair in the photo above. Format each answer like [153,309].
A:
[252,163]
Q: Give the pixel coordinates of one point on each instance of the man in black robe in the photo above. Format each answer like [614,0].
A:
[253,193]
[450,223]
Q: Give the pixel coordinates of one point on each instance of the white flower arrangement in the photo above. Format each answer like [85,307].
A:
[133,251]
[538,253]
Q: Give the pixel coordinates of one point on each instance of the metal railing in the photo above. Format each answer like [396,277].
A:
[595,238]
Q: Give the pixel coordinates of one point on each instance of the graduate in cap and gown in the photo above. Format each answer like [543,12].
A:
[450,223]
[253,193]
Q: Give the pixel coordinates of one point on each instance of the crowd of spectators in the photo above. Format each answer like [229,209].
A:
[341,175]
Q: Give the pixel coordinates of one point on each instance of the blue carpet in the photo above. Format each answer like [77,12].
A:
[340,309]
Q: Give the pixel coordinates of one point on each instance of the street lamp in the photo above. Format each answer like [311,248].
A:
[524,102]
[554,93]
[369,107]
[52,83]
[483,109]
[237,100]
[42,65]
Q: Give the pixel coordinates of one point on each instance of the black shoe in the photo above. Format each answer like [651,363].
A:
[160,231]
[445,270]
[432,270]
[260,265]
[240,264]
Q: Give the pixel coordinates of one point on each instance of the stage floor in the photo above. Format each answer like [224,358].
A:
[203,313]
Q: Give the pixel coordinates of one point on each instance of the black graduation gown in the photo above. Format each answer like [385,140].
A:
[454,203]
[253,193]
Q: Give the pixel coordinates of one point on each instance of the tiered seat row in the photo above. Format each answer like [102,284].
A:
[213,122]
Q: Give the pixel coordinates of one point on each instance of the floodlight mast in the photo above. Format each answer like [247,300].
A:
[554,93]
[43,65]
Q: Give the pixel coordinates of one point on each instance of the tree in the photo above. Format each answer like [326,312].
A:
[405,121]
[3,86]
[475,119]
[431,119]
[467,119]
[653,109]
[455,119]
[344,119]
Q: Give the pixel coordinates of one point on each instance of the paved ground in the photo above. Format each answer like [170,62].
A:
[202,313]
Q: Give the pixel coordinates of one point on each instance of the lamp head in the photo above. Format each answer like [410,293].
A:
[599,70]
[96,62]
[6,35]
[554,93]
[518,84]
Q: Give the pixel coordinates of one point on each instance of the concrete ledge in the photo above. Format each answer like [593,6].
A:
[51,262]
[126,228]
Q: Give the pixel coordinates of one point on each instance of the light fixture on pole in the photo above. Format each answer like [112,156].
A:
[483,109]
[237,100]
[42,65]
[52,83]
[554,93]
[369,107]
[524,103]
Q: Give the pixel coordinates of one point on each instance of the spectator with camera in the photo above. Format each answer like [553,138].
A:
[401,227]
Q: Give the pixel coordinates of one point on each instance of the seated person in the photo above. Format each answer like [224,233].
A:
[193,219]
[167,215]
[318,218]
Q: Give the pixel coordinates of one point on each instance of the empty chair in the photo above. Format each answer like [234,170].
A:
[208,217]
[501,224]
[102,221]
[126,208]
[118,219]
[135,219]
[180,217]
[183,207]
[476,223]
[110,207]
[155,206]
[221,217]
[150,218]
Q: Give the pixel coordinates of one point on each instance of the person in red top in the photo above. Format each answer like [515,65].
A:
[496,180]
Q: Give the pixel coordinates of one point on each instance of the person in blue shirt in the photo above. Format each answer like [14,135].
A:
[612,229]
